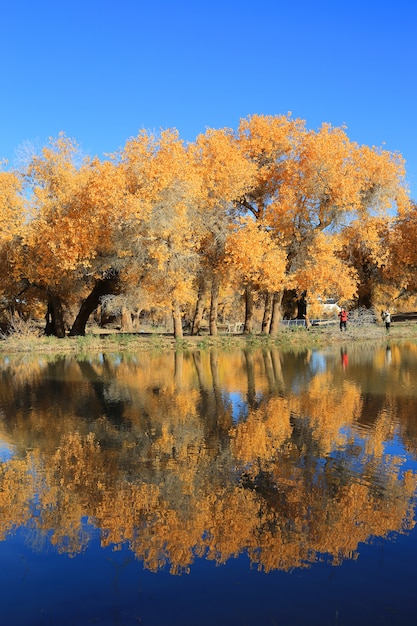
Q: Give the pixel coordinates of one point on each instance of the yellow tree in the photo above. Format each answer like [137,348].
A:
[319,183]
[49,250]
[268,142]
[162,228]
[258,262]
[401,265]
[68,244]
[366,248]
[103,201]
[12,206]
[12,214]
[224,174]
[323,271]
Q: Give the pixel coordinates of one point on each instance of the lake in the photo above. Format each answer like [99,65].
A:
[235,488]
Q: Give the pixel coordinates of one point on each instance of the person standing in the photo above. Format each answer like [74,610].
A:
[386,316]
[343,316]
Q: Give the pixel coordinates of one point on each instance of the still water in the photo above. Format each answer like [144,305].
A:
[231,488]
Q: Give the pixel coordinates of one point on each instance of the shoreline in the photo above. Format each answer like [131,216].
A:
[98,340]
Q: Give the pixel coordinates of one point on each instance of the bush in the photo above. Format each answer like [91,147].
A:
[16,326]
[363,317]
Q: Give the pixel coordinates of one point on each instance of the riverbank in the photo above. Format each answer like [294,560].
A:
[97,340]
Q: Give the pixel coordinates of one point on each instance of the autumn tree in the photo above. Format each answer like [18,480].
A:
[401,264]
[12,205]
[268,210]
[313,182]
[104,200]
[258,262]
[163,229]
[13,213]
[366,249]
[224,174]
[67,246]
[51,240]
[267,142]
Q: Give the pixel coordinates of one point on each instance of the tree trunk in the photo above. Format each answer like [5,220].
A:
[365,296]
[302,307]
[136,320]
[214,304]
[302,313]
[289,304]
[250,369]
[248,327]
[199,309]
[177,320]
[266,321]
[276,312]
[49,326]
[104,286]
[126,323]
[55,317]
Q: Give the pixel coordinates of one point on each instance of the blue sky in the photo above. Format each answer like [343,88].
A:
[101,70]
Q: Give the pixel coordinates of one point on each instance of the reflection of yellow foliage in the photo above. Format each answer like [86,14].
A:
[361,516]
[16,487]
[384,430]
[263,433]
[171,522]
[329,408]
[174,478]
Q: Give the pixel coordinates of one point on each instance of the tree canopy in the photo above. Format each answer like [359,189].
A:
[257,212]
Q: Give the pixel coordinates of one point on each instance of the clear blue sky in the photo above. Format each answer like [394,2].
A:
[101,70]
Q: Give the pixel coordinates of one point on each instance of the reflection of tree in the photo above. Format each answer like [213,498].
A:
[110,404]
[281,519]
[174,477]
[16,492]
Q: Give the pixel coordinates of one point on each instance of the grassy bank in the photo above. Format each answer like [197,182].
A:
[97,340]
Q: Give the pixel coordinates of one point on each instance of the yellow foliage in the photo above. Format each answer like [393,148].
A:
[255,256]
[264,432]
[12,206]
[323,271]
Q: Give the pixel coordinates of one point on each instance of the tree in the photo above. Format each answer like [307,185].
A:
[270,209]
[268,142]
[76,206]
[49,245]
[12,206]
[224,175]
[401,265]
[365,248]
[324,272]
[12,218]
[257,260]
[162,187]
[314,182]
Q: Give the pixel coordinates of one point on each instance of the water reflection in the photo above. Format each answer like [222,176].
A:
[288,457]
